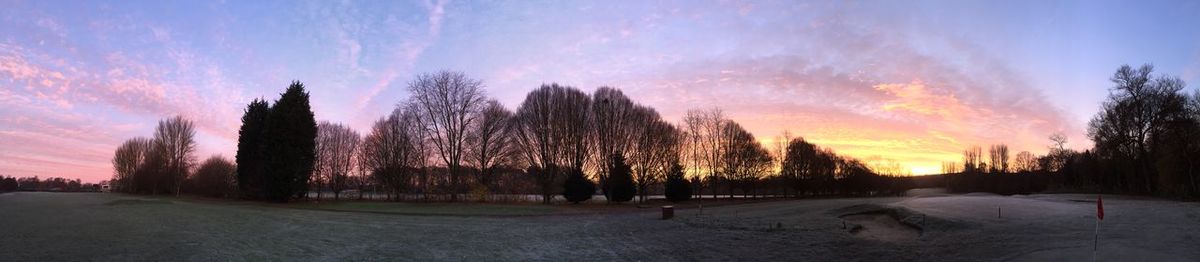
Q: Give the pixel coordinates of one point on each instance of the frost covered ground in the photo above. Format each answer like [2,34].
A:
[926,226]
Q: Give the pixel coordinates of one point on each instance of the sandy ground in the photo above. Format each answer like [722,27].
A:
[926,226]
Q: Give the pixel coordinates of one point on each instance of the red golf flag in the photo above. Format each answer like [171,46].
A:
[1099,207]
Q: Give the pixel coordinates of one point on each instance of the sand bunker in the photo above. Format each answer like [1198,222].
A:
[881,225]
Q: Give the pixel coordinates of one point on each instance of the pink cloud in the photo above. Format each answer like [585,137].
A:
[44,135]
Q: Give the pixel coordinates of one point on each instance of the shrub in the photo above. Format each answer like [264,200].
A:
[216,177]
[578,188]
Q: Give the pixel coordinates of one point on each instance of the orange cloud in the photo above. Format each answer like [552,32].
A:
[918,124]
[915,97]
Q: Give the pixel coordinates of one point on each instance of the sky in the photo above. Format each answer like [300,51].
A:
[909,82]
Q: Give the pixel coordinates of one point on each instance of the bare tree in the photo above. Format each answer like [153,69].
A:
[1140,107]
[705,129]
[550,129]
[175,139]
[950,167]
[577,132]
[1058,142]
[998,155]
[780,149]
[745,160]
[363,179]
[972,160]
[1025,162]
[489,139]
[320,157]
[888,167]
[779,153]
[655,149]
[445,104]
[336,147]
[612,114]
[1057,157]
[130,156]
[393,153]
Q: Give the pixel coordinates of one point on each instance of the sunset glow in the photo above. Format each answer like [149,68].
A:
[878,81]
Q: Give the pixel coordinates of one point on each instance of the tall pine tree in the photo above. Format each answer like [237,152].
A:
[251,155]
[291,145]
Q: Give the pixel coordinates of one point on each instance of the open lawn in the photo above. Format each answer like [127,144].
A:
[439,209]
[925,226]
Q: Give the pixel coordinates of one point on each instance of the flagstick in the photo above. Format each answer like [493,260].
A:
[1096,240]
[1099,215]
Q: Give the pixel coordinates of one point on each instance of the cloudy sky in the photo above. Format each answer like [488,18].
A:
[914,82]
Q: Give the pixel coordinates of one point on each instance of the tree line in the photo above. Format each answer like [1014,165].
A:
[450,141]
[51,184]
[1146,137]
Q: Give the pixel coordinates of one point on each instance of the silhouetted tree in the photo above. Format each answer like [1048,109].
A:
[612,121]
[620,179]
[545,178]
[745,160]
[28,183]
[337,145]
[972,160]
[130,156]
[998,155]
[577,188]
[489,140]
[779,154]
[8,184]
[251,152]
[678,188]
[950,167]
[446,104]
[165,162]
[1023,176]
[150,177]
[1025,162]
[52,184]
[175,139]
[550,129]
[655,147]
[705,129]
[393,152]
[799,165]
[290,145]
[1140,109]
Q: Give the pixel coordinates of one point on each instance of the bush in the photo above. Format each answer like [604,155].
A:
[578,188]
[678,189]
[216,177]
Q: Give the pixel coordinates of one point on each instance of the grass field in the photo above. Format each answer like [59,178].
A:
[442,209]
[925,226]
